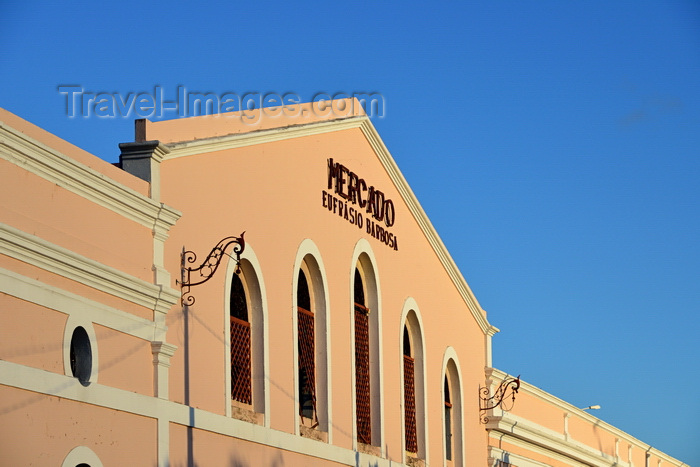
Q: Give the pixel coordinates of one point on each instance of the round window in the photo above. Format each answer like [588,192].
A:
[81,356]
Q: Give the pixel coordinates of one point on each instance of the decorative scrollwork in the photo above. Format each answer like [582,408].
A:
[207,269]
[503,396]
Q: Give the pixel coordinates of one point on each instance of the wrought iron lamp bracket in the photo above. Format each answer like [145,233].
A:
[206,270]
[503,397]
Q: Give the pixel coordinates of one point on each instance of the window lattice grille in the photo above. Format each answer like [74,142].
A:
[240,361]
[307,366]
[410,404]
[362,387]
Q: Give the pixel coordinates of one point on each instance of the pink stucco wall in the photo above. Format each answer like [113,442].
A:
[273,191]
[41,430]
[211,449]
[71,151]
[567,426]
[125,361]
[53,213]
[37,346]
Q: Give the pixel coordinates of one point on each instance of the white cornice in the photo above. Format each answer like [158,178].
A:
[221,143]
[426,226]
[66,263]
[534,434]
[499,454]
[520,458]
[160,152]
[165,218]
[78,178]
[496,422]
[195,147]
[55,298]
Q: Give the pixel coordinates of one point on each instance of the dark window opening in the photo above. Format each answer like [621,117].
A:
[362,381]
[306,348]
[239,304]
[359,289]
[409,396]
[303,296]
[406,342]
[448,422]
[81,356]
[240,343]
[447,392]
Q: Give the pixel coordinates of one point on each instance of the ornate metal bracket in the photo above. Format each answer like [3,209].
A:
[207,269]
[506,390]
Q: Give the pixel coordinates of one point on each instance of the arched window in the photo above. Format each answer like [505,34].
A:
[307,352]
[363,392]
[452,411]
[247,382]
[414,389]
[409,394]
[241,388]
[448,421]
[312,333]
[366,323]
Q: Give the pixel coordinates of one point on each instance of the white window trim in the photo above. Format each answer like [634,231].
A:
[260,382]
[73,322]
[410,308]
[321,305]
[457,397]
[362,247]
[81,455]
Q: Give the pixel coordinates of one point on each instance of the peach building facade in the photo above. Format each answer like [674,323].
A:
[337,330]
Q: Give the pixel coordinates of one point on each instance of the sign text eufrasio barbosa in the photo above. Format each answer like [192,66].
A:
[355,197]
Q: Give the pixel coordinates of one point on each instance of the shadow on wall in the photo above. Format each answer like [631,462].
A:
[357,461]
[611,450]
[598,438]
[234,461]
[60,388]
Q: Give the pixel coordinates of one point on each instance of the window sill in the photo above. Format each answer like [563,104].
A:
[313,433]
[369,449]
[412,460]
[245,412]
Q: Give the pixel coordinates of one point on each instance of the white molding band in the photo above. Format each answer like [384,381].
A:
[44,382]
[534,435]
[54,298]
[222,143]
[66,263]
[537,436]
[497,454]
[51,165]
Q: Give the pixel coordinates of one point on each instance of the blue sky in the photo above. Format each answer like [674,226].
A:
[554,145]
